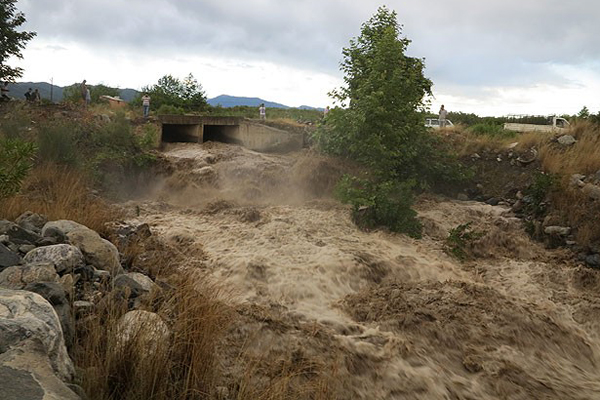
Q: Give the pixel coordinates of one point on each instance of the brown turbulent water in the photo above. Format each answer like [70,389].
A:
[392,317]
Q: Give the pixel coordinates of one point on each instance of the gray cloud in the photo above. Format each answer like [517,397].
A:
[464,42]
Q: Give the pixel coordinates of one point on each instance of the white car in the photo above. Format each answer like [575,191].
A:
[435,123]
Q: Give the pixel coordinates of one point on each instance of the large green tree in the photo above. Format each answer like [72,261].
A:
[378,123]
[184,93]
[11,40]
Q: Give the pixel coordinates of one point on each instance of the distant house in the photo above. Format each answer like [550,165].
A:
[114,102]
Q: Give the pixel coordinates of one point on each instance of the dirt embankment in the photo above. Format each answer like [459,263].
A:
[340,313]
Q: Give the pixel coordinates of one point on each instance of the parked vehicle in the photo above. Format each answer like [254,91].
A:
[555,124]
[435,123]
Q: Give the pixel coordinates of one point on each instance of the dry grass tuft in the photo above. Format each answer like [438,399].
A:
[581,158]
[181,365]
[577,211]
[59,193]
[466,143]
[528,140]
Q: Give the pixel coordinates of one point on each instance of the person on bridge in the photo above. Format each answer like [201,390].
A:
[146,105]
[262,111]
[442,116]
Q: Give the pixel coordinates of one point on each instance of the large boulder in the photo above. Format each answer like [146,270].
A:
[65,257]
[63,226]
[97,251]
[28,321]
[26,374]
[143,330]
[19,276]
[8,258]
[56,296]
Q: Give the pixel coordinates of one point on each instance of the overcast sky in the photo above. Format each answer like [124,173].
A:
[491,57]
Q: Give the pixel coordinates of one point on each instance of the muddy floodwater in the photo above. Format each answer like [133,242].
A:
[386,316]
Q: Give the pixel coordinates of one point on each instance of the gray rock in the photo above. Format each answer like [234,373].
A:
[65,257]
[18,235]
[97,251]
[26,318]
[566,140]
[31,221]
[462,197]
[19,385]
[4,239]
[593,191]
[557,230]
[146,284]
[17,277]
[133,288]
[593,260]
[8,258]
[143,329]
[5,226]
[26,248]
[52,236]
[26,374]
[85,272]
[492,201]
[64,226]
[102,276]
[55,294]
[577,180]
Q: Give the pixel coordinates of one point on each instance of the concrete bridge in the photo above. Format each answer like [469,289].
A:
[247,133]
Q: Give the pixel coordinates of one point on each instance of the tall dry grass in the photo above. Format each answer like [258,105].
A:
[60,193]
[180,366]
[583,157]
[465,142]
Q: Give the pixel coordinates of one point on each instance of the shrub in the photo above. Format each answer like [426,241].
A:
[58,144]
[460,239]
[380,204]
[169,109]
[493,130]
[536,193]
[16,160]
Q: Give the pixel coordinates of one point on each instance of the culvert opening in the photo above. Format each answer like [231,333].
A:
[180,133]
[221,133]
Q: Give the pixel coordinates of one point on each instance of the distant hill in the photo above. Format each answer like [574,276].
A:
[54,92]
[233,101]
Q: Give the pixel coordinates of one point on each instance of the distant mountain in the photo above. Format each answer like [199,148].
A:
[303,107]
[232,101]
[54,92]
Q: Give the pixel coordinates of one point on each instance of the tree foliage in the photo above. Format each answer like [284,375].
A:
[16,160]
[378,123]
[72,93]
[11,40]
[186,94]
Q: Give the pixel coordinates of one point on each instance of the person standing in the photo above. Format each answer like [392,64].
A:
[29,95]
[83,88]
[326,111]
[262,111]
[146,105]
[88,97]
[37,98]
[442,116]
